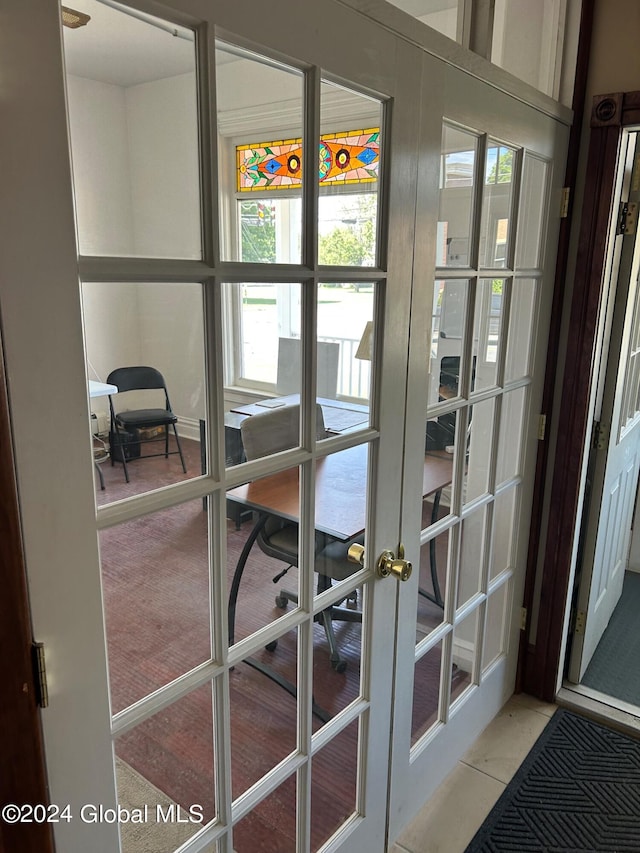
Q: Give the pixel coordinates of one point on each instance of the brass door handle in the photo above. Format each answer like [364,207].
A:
[388,563]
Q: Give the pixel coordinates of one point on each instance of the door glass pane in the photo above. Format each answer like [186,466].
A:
[345,354]
[526,40]
[167,764]
[341,490]
[272,820]
[441,15]
[488,332]
[522,317]
[510,441]
[262,546]
[334,785]
[155,586]
[447,335]
[349,177]
[139,337]
[504,531]
[495,636]
[436,504]
[479,443]
[133,122]
[531,219]
[334,690]
[457,179]
[263,712]
[496,205]
[260,122]
[465,645]
[472,556]
[435,557]
[426,692]
[262,354]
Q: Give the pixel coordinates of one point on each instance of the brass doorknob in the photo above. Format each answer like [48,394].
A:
[388,563]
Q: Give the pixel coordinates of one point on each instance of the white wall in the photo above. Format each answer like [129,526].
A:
[135,158]
[162,127]
[99,149]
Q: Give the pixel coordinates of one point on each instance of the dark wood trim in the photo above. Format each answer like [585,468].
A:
[564,236]
[22,774]
[610,114]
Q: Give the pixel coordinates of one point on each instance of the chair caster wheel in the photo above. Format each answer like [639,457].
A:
[339,665]
[281,602]
[272,646]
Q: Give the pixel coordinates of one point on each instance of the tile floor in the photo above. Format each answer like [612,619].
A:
[478,779]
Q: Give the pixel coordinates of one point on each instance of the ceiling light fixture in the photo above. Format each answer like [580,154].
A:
[73,19]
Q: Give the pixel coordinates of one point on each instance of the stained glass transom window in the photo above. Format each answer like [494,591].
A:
[351,157]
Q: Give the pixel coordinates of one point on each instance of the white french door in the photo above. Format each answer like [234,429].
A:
[478,342]
[150,695]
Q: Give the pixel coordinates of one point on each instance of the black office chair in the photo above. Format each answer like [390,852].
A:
[125,436]
[274,431]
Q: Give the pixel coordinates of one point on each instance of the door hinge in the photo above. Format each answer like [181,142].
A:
[564,202]
[523,618]
[600,436]
[542,427]
[627,217]
[40,674]
[581,622]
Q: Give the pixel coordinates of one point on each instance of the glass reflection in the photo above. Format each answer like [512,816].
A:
[504,531]
[447,335]
[496,624]
[441,15]
[457,178]
[472,556]
[479,443]
[531,215]
[496,205]
[510,441]
[465,645]
[522,318]
[487,332]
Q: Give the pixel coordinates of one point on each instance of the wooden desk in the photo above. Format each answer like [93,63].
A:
[340,507]
[338,416]
[341,480]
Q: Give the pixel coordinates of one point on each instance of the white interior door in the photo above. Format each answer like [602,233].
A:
[607,534]
[190,251]
[478,346]
[154,694]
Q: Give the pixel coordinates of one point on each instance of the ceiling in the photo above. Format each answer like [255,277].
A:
[123,50]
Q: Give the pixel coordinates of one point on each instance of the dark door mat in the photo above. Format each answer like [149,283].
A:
[577,790]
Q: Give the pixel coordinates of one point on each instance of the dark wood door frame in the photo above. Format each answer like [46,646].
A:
[22,768]
[609,116]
